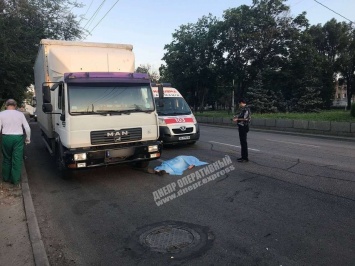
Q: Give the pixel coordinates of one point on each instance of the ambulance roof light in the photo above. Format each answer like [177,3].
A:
[163,84]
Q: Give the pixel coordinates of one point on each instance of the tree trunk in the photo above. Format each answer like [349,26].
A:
[202,103]
[349,92]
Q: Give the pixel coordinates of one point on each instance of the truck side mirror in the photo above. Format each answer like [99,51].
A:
[161,92]
[47,108]
[46,94]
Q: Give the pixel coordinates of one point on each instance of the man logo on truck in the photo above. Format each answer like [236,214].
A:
[117,135]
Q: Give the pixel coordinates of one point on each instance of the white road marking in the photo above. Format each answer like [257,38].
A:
[294,143]
[231,145]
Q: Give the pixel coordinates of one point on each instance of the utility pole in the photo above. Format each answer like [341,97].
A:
[233,97]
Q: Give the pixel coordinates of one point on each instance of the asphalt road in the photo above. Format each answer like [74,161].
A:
[292,204]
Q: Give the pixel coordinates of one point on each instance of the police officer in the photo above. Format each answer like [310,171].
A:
[12,125]
[243,120]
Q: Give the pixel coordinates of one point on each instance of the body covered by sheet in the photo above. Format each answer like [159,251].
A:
[179,164]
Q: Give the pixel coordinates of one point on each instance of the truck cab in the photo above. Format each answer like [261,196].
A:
[97,119]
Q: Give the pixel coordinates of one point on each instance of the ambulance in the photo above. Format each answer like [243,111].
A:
[177,124]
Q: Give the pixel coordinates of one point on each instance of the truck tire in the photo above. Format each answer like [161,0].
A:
[141,164]
[64,172]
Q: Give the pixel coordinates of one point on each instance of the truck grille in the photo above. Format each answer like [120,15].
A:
[179,131]
[115,136]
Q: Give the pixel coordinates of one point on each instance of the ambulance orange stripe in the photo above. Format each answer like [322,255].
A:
[178,120]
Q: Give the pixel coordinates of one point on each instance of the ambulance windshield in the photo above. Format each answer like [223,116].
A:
[173,106]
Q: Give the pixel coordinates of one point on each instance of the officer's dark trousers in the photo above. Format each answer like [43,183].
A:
[243,141]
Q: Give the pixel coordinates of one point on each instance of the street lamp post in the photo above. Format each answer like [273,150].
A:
[233,98]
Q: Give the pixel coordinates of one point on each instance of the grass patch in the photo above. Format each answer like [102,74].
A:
[329,115]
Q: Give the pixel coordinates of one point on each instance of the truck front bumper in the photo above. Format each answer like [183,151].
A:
[113,154]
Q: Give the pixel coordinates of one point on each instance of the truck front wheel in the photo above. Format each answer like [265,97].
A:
[64,172]
[141,164]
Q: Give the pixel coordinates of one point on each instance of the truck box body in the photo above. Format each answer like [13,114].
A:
[98,106]
[55,58]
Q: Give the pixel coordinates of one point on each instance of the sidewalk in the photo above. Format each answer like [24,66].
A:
[15,246]
[20,239]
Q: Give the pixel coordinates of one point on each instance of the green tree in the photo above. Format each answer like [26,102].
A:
[345,64]
[154,75]
[297,61]
[261,100]
[23,23]
[308,101]
[190,59]
[303,64]
[165,75]
[307,97]
[329,40]
[257,39]
[235,31]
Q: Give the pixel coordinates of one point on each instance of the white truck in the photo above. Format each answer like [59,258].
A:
[93,110]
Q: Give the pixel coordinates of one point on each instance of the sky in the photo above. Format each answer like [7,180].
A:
[149,25]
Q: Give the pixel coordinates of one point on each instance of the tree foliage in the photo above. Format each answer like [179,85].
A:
[299,63]
[190,58]
[328,40]
[345,62]
[154,75]
[260,99]
[23,23]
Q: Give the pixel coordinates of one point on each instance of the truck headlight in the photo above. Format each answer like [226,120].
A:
[80,157]
[153,148]
[161,122]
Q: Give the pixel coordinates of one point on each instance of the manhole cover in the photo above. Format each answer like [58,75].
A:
[170,239]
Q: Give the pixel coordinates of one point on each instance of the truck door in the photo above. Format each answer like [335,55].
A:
[60,123]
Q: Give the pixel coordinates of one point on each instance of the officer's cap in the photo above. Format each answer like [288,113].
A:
[241,100]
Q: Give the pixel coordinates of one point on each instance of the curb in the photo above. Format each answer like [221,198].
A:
[39,252]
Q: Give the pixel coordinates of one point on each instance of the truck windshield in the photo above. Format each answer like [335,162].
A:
[173,106]
[109,99]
